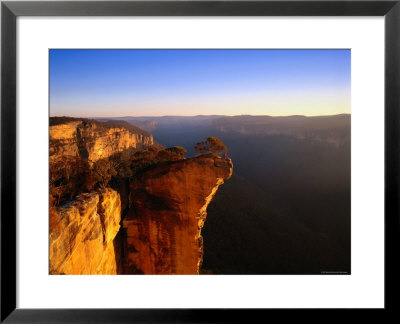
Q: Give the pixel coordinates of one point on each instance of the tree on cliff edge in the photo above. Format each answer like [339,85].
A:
[211,145]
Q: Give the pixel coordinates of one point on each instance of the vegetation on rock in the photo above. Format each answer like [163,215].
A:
[211,145]
[73,175]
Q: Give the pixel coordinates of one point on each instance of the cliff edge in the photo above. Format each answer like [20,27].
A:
[162,229]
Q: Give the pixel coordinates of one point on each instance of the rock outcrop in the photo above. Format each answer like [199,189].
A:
[149,223]
[93,140]
[82,234]
[162,229]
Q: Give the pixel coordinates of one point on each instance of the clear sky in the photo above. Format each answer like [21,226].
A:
[112,83]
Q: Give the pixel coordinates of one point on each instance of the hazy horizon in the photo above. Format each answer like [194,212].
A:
[213,115]
[151,83]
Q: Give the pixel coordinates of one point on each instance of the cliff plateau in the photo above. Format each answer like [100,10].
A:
[94,140]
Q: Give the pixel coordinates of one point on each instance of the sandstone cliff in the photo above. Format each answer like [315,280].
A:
[82,234]
[149,223]
[93,140]
[162,229]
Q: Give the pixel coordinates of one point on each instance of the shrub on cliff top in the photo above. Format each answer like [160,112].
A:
[179,150]
[153,155]
[211,145]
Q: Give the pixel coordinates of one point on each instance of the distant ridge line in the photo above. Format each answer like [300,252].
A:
[216,116]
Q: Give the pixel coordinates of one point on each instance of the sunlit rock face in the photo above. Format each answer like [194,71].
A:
[82,234]
[162,212]
[162,230]
[89,140]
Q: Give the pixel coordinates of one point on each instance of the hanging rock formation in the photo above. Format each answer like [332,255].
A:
[162,230]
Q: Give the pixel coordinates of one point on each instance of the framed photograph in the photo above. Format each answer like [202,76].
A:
[198,160]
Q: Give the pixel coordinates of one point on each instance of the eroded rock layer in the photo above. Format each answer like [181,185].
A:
[82,234]
[162,230]
[93,140]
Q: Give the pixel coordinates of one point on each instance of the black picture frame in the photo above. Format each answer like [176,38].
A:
[10,10]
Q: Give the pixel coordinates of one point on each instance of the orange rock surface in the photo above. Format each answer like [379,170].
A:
[82,234]
[89,141]
[164,208]
[162,230]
